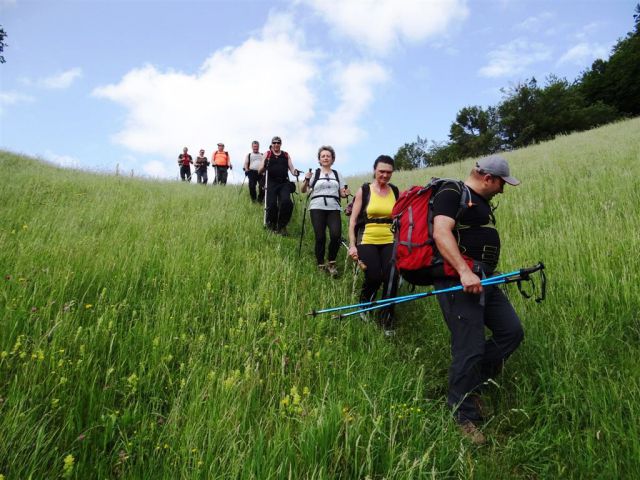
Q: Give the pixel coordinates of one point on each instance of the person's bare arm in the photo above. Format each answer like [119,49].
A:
[448,248]
[355,212]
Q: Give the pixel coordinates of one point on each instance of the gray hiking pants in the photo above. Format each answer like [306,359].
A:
[474,357]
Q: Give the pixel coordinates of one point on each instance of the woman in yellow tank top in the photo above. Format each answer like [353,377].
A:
[370,236]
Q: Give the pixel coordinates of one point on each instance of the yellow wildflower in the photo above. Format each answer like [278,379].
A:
[132,381]
[67,468]
[295,395]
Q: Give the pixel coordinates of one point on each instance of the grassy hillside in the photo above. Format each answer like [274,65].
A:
[154,330]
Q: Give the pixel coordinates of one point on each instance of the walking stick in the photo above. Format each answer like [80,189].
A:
[266,188]
[517,276]
[304,213]
[243,180]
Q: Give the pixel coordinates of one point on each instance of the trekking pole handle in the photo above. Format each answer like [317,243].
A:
[524,272]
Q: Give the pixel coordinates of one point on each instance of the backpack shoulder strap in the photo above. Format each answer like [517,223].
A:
[366,194]
[461,187]
[337,177]
[316,176]
[396,192]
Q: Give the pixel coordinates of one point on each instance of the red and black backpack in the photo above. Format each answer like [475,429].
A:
[415,254]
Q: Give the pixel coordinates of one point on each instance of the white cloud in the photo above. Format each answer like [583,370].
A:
[62,160]
[381,25]
[269,85]
[61,80]
[355,84]
[514,58]
[158,169]
[13,98]
[536,23]
[583,54]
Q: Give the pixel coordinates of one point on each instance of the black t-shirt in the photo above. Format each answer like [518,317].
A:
[475,229]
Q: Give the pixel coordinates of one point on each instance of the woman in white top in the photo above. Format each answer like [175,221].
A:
[324,207]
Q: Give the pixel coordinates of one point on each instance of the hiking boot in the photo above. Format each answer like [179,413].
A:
[282,231]
[389,333]
[480,406]
[364,317]
[322,268]
[332,270]
[471,432]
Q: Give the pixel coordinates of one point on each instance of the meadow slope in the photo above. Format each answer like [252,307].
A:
[155,330]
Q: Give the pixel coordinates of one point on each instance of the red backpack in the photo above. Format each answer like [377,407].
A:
[415,254]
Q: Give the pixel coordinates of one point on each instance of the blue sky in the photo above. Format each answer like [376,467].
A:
[94,84]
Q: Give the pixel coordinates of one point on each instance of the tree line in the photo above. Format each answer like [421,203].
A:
[530,113]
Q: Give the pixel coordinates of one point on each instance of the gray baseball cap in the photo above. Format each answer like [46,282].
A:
[498,166]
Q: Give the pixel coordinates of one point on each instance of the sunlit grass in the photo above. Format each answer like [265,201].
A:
[155,330]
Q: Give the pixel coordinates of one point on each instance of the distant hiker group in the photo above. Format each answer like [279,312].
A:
[220,160]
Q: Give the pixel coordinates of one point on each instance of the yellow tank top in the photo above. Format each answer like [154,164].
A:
[379,207]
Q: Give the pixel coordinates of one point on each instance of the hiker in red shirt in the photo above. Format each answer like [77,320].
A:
[185,161]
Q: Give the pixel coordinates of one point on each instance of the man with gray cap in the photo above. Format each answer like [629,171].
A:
[468,240]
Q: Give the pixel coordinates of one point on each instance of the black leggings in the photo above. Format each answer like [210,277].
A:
[321,219]
[377,258]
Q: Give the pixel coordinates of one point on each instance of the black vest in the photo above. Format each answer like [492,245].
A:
[278,167]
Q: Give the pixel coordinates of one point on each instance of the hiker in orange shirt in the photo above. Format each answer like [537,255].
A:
[222,163]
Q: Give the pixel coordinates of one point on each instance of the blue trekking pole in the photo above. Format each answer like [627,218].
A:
[510,277]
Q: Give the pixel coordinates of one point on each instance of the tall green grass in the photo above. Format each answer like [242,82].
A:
[155,330]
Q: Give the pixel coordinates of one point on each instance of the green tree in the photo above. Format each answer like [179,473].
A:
[412,155]
[475,131]
[441,153]
[616,82]
[517,114]
[531,114]
[562,109]
[3,35]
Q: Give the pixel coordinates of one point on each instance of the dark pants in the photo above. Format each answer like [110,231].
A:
[202,176]
[474,358]
[221,175]
[321,219]
[279,205]
[185,173]
[377,258]
[254,182]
